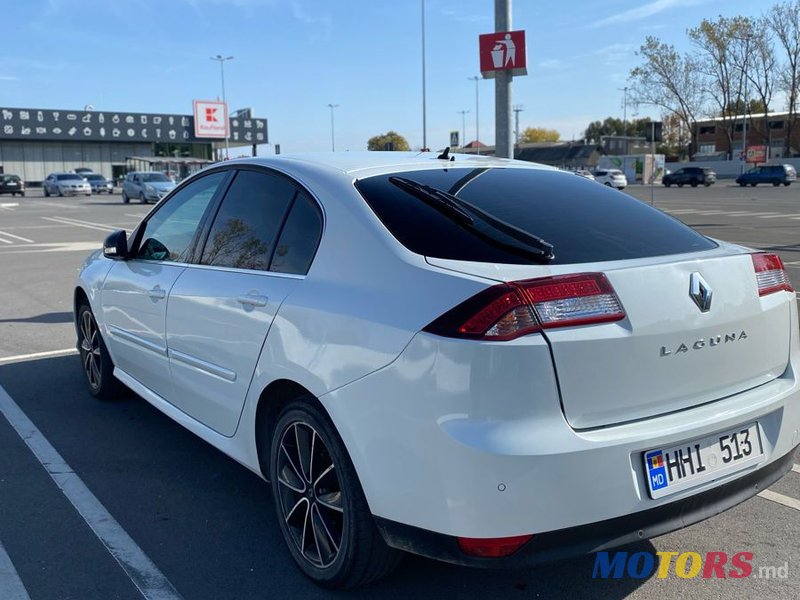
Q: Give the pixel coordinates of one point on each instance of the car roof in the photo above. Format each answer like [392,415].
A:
[364,164]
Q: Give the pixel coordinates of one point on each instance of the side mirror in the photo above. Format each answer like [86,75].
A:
[115,246]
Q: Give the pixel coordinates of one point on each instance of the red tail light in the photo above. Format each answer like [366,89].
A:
[770,274]
[492,547]
[509,310]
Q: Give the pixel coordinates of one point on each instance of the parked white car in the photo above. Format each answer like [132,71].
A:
[611,177]
[483,361]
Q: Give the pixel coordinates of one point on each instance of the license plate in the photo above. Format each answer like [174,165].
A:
[670,470]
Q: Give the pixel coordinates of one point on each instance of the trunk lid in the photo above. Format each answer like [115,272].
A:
[667,354]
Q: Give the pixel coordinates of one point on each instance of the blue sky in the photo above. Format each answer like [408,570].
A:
[294,57]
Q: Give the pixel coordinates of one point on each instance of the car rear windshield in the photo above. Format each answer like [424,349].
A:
[583,220]
[69,177]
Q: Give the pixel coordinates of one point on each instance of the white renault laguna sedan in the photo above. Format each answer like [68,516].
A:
[482,361]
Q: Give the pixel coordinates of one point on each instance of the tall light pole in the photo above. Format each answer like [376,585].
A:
[518,108]
[222,60]
[624,91]
[463,126]
[332,106]
[476,79]
[424,123]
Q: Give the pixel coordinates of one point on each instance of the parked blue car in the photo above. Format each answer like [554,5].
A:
[774,174]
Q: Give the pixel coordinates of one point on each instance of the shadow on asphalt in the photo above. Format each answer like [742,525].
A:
[46,318]
[209,524]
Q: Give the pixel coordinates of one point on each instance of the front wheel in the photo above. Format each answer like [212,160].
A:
[125,198]
[786,183]
[97,364]
[321,508]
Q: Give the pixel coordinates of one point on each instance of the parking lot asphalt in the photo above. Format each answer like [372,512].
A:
[205,523]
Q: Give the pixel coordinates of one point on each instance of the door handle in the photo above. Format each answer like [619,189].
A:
[252,300]
[157,293]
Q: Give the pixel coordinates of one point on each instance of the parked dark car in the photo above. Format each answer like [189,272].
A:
[694,176]
[12,184]
[99,183]
[774,174]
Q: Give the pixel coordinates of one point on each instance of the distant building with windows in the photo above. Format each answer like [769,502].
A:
[37,141]
[763,129]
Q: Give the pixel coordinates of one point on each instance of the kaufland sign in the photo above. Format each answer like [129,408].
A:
[210,119]
[503,51]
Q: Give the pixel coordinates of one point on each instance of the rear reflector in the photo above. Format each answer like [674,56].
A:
[492,547]
[509,310]
[770,274]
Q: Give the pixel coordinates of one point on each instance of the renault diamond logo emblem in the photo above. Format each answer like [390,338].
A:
[700,292]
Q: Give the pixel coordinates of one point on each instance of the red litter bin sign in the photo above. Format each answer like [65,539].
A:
[503,51]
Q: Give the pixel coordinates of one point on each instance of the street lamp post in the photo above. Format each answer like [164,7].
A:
[476,79]
[222,60]
[463,126]
[518,108]
[332,106]
[424,118]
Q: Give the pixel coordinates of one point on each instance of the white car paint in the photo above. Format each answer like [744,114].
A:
[459,437]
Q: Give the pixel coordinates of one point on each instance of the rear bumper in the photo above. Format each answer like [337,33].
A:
[467,439]
[593,537]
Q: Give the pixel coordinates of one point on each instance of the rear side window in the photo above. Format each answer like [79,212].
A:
[584,221]
[299,239]
[245,229]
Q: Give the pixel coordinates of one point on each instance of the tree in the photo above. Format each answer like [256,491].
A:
[784,21]
[723,50]
[391,140]
[670,81]
[597,130]
[539,134]
[761,75]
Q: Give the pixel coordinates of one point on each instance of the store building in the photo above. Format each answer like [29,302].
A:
[38,141]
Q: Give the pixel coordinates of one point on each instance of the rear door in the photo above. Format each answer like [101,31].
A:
[259,247]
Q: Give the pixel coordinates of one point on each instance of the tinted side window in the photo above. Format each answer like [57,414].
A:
[169,233]
[584,221]
[244,230]
[299,238]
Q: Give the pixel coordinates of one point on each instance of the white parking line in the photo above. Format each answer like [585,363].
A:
[796,468]
[144,574]
[9,205]
[2,241]
[778,216]
[65,221]
[16,237]
[11,586]
[780,499]
[49,354]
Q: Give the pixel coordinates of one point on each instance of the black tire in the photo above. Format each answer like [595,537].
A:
[125,198]
[142,199]
[354,551]
[46,193]
[786,183]
[608,184]
[753,185]
[97,365]
[707,184]
[743,184]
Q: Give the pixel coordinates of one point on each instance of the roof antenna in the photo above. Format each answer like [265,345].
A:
[445,154]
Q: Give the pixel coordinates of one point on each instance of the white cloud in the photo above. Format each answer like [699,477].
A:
[644,11]
[8,78]
[552,63]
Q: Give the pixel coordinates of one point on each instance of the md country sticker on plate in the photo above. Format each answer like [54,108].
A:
[671,470]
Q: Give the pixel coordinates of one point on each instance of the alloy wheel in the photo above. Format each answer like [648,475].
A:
[310,494]
[90,350]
